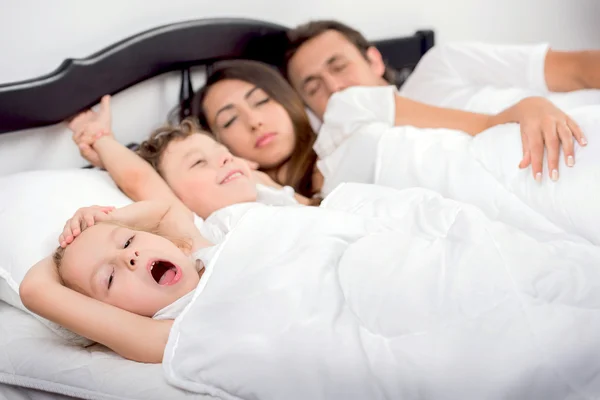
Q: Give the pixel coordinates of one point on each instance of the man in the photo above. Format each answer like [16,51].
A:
[325,57]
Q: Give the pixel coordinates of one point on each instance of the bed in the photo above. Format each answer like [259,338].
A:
[40,188]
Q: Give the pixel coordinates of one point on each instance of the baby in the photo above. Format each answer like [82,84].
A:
[124,266]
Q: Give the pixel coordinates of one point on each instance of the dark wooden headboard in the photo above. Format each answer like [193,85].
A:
[78,84]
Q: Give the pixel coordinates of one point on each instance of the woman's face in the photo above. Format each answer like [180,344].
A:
[251,124]
[134,270]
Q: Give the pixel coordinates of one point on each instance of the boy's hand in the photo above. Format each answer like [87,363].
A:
[88,127]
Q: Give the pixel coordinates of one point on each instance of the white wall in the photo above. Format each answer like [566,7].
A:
[36,35]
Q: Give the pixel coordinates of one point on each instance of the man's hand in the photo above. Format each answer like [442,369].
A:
[543,125]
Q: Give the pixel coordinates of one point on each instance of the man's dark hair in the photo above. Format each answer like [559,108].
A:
[303,33]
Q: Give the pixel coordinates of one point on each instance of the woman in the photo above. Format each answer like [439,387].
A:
[252,110]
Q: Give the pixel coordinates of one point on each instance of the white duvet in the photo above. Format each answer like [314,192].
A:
[387,294]
[358,143]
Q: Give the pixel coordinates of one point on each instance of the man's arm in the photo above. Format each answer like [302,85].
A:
[420,115]
[542,125]
[566,71]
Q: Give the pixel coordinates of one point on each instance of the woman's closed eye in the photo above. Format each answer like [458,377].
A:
[263,101]
[229,122]
[313,88]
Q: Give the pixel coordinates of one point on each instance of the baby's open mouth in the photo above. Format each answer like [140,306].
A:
[164,272]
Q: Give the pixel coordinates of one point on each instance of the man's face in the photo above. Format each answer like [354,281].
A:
[329,63]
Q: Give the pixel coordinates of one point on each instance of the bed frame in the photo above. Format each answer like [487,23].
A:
[78,84]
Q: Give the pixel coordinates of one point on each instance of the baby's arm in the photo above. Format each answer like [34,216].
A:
[171,219]
[130,335]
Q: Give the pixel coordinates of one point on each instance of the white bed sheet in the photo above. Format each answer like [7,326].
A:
[32,357]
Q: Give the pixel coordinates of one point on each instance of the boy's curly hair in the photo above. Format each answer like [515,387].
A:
[154,147]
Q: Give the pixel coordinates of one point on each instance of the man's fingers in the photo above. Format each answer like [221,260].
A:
[552,142]
[577,132]
[526,160]
[536,146]
[566,139]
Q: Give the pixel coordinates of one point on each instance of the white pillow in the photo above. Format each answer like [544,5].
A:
[34,207]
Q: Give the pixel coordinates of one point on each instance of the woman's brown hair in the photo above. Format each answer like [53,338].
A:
[301,163]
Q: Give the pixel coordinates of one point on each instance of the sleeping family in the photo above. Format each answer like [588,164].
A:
[474,180]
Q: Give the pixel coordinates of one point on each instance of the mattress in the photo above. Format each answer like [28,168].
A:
[37,364]
[10,392]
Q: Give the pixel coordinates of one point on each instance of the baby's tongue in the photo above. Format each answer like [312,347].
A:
[167,277]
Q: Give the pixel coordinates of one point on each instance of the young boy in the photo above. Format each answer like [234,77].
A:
[179,163]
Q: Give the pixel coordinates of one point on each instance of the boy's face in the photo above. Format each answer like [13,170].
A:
[205,176]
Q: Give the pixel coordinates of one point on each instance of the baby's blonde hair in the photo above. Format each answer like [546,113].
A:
[59,253]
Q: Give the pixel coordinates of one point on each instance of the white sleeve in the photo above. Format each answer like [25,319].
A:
[352,109]
[275,197]
[451,75]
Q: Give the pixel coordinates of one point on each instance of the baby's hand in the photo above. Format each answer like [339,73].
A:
[88,127]
[83,218]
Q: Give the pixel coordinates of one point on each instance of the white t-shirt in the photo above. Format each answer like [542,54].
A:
[486,78]
[275,197]
[265,195]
